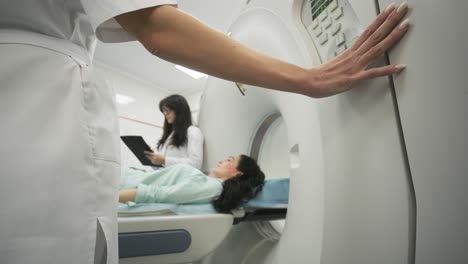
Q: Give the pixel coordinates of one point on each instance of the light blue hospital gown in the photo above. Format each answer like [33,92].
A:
[176,184]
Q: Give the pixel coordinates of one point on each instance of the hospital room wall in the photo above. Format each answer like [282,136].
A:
[193,100]
[141,116]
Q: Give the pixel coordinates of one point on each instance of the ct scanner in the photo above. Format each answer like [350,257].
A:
[377,174]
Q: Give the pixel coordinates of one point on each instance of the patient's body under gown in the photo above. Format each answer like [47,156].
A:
[176,184]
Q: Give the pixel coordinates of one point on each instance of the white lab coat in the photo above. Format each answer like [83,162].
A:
[190,153]
[59,149]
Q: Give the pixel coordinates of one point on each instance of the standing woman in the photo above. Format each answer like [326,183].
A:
[181,142]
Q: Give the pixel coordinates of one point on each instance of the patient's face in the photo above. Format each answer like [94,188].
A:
[227,168]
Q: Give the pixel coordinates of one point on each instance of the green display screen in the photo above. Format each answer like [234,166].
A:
[318,6]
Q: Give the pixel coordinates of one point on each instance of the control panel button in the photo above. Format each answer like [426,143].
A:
[335,28]
[310,29]
[323,15]
[340,39]
[340,49]
[327,22]
[323,39]
[333,5]
[337,13]
[318,32]
[315,24]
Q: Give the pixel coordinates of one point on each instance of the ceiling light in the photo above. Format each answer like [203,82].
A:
[192,73]
[123,99]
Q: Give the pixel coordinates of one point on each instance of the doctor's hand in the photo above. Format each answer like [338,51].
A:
[155,158]
[350,67]
[217,54]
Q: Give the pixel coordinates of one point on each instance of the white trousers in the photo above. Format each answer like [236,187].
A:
[59,155]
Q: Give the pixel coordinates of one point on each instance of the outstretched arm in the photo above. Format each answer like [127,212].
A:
[167,32]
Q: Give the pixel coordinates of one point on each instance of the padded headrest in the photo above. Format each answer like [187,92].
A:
[275,194]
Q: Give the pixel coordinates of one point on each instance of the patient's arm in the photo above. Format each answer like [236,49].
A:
[127,195]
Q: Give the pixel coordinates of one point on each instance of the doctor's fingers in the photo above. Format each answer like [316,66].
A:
[379,72]
[378,21]
[385,29]
[150,156]
[385,44]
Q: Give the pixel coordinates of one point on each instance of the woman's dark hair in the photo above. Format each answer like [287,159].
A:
[183,120]
[242,187]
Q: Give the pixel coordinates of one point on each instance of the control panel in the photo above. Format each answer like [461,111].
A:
[332,25]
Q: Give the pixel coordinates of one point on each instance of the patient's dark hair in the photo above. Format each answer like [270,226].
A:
[242,187]
[183,119]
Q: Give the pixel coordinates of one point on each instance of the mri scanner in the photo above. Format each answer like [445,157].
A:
[377,174]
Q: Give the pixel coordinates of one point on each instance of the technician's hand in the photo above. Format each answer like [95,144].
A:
[339,74]
[216,54]
[155,158]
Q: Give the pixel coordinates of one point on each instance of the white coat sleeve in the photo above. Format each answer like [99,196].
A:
[194,150]
[102,12]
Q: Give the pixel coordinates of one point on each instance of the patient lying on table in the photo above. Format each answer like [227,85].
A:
[231,181]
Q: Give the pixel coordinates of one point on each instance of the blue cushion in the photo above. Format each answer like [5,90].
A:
[275,194]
